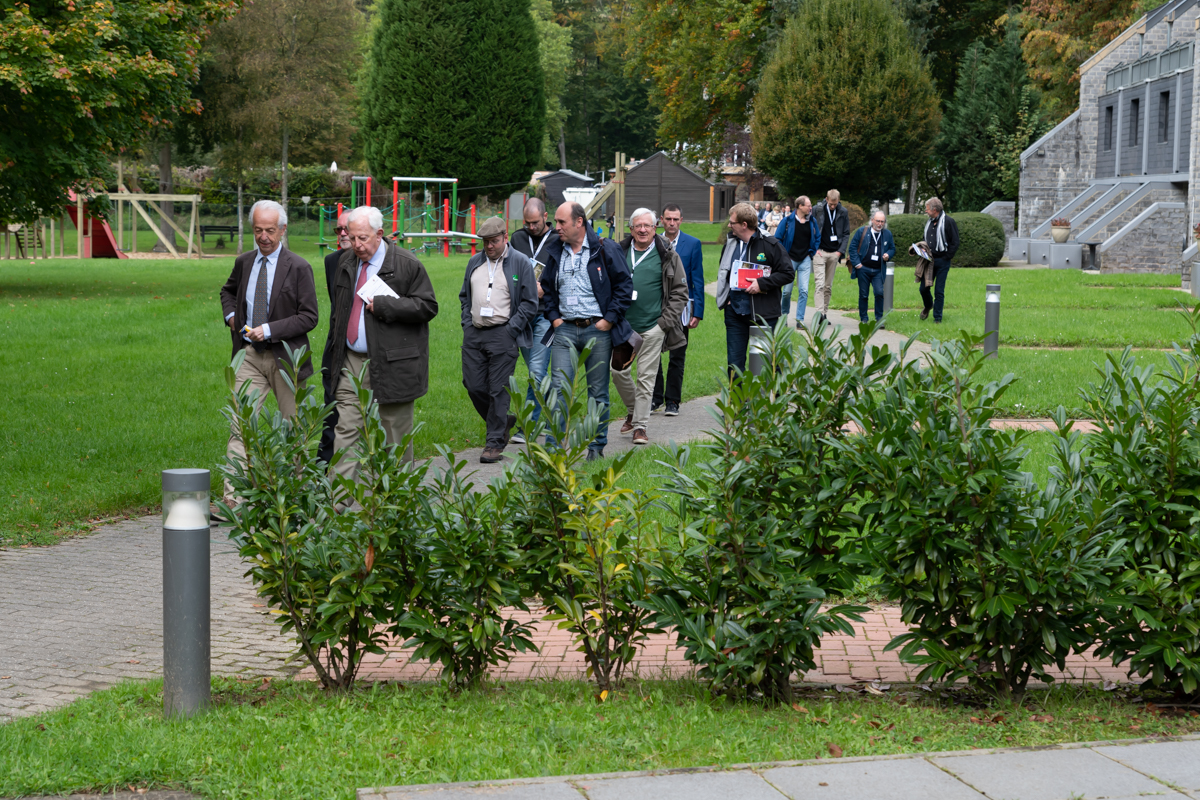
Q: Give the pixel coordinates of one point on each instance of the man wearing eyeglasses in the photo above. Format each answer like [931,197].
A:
[328,381]
[536,240]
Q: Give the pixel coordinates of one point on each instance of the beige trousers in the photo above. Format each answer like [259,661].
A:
[824,268]
[262,370]
[636,397]
[397,418]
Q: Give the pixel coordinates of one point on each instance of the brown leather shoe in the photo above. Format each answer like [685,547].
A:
[640,437]
[925,314]
[628,426]
[491,455]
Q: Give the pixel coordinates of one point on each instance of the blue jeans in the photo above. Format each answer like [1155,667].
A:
[569,340]
[537,359]
[803,273]
[737,336]
[869,279]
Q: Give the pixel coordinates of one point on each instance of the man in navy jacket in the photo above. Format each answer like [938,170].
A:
[688,248]
[586,289]
[800,236]
[871,248]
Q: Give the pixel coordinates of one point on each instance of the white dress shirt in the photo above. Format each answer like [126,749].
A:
[252,286]
[372,270]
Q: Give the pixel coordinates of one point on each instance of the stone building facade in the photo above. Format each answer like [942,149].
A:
[1121,168]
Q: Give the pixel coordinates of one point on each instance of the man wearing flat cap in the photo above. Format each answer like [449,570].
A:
[499,303]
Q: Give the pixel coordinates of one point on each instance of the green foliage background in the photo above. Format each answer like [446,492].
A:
[981,238]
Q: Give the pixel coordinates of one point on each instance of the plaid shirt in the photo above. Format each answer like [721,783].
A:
[574,284]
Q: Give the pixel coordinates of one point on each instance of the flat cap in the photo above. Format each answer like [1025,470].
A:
[492,226]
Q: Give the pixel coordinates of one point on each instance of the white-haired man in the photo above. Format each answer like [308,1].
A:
[660,294]
[269,300]
[390,335]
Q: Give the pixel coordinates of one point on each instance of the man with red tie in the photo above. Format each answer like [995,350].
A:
[269,300]
[388,335]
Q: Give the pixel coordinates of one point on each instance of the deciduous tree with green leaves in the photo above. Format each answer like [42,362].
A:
[858,123]
[80,81]
[455,89]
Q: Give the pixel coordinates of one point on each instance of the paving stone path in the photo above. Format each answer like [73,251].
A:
[1112,771]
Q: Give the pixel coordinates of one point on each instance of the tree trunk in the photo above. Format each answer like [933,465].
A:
[241,226]
[166,185]
[283,186]
[910,204]
[562,148]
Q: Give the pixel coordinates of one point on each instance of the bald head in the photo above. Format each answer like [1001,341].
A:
[535,217]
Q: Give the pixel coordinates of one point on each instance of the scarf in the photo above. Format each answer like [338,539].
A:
[939,225]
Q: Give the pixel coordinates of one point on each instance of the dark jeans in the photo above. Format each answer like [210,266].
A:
[676,360]
[325,448]
[737,337]
[569,341]
[869,279]
[489,357]
[941,268]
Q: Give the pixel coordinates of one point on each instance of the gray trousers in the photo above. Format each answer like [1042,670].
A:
[489,358]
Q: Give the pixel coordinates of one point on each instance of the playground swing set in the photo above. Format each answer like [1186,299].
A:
[433,227]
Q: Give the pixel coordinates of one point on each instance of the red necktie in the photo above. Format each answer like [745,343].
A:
[357,307]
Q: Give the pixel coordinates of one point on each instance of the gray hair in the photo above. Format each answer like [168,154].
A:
[934,203]
[269,205]
[878,212]
[641,212]
[372,215]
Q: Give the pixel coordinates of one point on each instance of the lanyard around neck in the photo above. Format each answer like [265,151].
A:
[492,267]
[545,236]
[635,259]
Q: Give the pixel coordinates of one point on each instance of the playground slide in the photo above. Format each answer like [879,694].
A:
[103,243]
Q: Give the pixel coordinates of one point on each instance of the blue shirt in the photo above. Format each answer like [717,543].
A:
[373,267]
[252,286]
[576,298]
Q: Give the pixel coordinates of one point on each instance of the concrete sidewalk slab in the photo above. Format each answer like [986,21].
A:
[743,785]
[895,779]
[1176,763]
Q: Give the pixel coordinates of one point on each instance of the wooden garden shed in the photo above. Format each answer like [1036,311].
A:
[658,180]
[561,179]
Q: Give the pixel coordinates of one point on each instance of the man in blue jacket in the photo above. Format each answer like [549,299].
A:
[870,250]
[800,236]
[586,289]
[688,248]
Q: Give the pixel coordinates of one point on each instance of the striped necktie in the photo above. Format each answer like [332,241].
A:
[261,295]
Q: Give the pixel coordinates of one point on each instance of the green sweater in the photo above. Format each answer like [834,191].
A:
[646,308]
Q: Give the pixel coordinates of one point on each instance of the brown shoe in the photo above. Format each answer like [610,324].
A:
[491,455]
[925,314]
[628,426]
[640,437]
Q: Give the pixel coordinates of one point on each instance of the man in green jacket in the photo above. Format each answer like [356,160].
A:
[389,335]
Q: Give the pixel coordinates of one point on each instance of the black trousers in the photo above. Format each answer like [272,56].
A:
[489,358]
[676,360]
[329,384]
[937,299]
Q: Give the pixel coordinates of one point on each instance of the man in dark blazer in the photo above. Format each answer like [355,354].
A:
[499,302]
[688,249]
[941,234]
[388,335]
[269,300]
[871,248]
[328,378]
[834,222]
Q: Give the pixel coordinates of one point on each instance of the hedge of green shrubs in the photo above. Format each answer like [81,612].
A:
[841,461]
[981,238]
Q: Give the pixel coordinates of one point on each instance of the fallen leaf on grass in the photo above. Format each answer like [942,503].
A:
[1135,727]
[891,727]
[1041,718]
[918,739]
[800,708]
[820,720]
[871,740]
[873,723]
[834,750]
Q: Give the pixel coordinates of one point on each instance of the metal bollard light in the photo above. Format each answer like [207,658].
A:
[889,286]
[186,614]
[756,361]
[991,321]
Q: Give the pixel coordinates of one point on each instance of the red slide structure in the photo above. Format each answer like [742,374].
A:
[97,238]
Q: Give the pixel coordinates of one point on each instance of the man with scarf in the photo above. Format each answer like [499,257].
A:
[941,234]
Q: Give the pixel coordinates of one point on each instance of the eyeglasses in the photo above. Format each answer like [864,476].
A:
[341,229]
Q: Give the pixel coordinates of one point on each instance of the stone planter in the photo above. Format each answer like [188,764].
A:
[1060,233]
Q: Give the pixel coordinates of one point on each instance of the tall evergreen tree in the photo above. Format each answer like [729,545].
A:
[455,90]
[857,123]
[991,106]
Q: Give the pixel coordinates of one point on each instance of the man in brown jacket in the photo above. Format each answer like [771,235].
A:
[388,334]
[269,300]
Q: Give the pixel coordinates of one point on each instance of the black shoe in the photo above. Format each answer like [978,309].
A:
[595,455]
[925,314]
[937,322]
[672,410]
[653,409]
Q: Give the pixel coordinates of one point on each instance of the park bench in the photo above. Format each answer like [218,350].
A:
[228,230]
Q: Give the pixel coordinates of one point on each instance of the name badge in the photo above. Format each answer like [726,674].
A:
[486,312]
[833,237]
[874,258]
[635,294]
[571,301]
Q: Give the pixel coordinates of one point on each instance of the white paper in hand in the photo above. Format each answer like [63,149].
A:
[373,288]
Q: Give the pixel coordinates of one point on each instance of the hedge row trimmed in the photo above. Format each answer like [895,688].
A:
[981,235]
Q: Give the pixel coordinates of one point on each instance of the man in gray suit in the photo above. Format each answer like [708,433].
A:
[499,303]
[269,300]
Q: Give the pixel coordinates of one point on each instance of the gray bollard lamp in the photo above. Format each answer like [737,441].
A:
[991,321]
[186,592]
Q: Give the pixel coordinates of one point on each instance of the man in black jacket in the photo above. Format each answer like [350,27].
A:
[390,335]
[498,301]
[747,300]
[586,289]
[941,234]
[328,379]
[535,240]
[834,222]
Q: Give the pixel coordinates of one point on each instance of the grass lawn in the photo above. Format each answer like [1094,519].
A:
[288,740]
